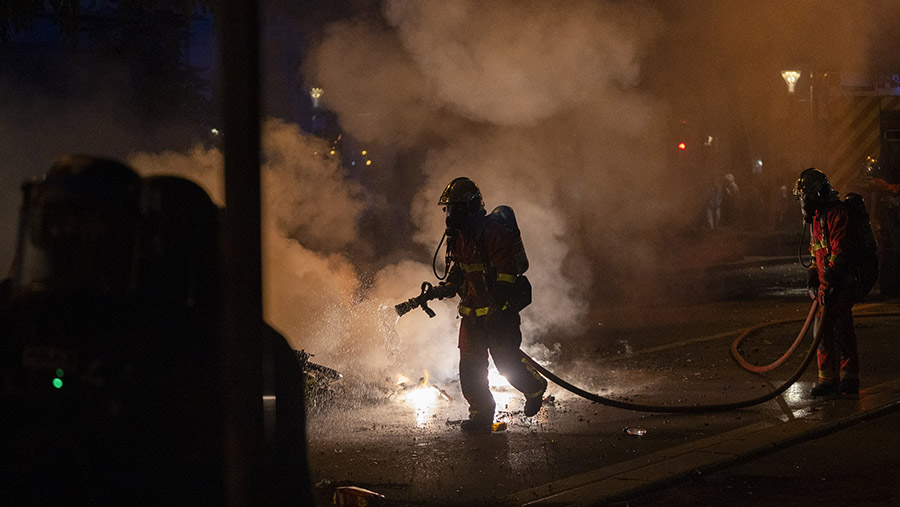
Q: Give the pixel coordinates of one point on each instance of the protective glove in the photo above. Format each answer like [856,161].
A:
[812,282]
[499,296]
[445,290]
[824,294]
[832,277]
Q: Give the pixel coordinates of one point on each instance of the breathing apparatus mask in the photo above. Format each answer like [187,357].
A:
[807,207]
[462,202]
[457,216]
[813,191]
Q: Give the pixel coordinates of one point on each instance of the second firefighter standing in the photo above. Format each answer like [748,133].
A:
[832,280]
[487,260]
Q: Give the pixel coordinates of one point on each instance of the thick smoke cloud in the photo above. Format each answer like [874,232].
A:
[552,125]
[505,63]
[313,293]
[559,109]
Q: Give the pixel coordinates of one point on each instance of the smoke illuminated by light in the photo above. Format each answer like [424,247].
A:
[553,127]
[501,389]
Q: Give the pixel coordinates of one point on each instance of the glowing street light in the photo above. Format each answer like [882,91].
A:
[315,93]
[790,77]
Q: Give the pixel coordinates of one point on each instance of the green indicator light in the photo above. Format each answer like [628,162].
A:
[60,372]
[57,383]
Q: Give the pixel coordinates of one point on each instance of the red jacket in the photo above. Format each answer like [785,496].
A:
[501,269]
[831,245]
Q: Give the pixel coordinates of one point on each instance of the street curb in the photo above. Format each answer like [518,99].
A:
[668,467]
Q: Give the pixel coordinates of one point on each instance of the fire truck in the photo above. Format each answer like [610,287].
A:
[859,122]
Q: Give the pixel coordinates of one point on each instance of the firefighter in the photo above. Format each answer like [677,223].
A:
[483,251]
[831,280]
[887,217]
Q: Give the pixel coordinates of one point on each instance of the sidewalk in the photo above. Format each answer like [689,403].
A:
[670,466]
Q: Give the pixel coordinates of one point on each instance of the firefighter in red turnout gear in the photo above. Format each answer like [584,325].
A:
[487,259]
[832,280]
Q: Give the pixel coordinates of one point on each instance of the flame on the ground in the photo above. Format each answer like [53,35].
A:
[423,398]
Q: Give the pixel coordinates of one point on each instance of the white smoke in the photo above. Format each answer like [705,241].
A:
[505,62]
[540,102]
[545,124]
[312,292]
[548,124]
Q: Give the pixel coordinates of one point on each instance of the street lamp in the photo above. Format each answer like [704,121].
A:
[790,77]
[315,93]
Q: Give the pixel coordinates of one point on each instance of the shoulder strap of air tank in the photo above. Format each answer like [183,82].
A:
[823,224]
[480,244]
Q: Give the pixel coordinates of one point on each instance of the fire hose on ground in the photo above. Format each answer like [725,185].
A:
[427,294]
[722,407]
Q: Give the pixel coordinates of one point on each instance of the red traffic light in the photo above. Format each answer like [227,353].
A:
[682,146]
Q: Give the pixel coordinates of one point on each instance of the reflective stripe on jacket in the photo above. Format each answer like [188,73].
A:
[832,244]
[500,247]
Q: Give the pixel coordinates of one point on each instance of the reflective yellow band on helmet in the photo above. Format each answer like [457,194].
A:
[468,268]
[503,277]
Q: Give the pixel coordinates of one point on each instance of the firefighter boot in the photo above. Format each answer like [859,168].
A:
[476,425]
[534,401]
[850,386]
[479,421]
[824,388]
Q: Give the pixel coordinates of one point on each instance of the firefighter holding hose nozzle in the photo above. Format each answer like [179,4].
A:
[485,266]
[832,279]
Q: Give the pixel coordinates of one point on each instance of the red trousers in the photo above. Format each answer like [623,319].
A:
[500,336]
[837,354]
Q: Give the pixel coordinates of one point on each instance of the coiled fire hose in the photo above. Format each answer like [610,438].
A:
[778,362]
[721,407]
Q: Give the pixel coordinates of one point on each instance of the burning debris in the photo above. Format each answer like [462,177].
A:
[317,379]
[403,382]
[422,397]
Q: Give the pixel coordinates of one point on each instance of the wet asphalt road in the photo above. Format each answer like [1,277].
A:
[659,354]
[855,466]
